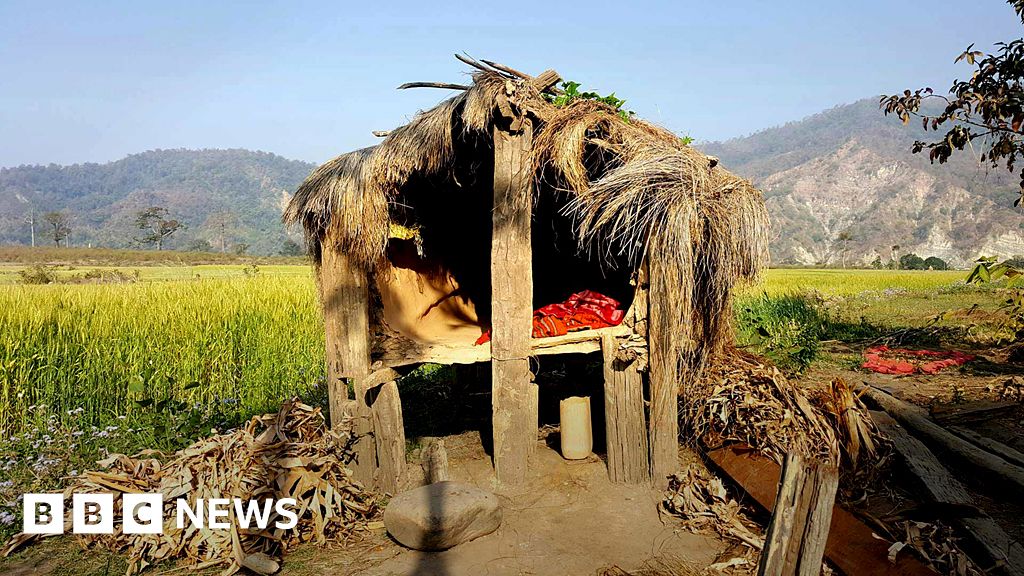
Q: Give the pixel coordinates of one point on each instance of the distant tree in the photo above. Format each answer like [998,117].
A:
[877,263]
[61,224]
[200,245]
[843,240]
[221,225]
[157,226]
[935,263]
[241,248]
[894,253]
[911,261]
[1015,262]
[291,248]
[985,112]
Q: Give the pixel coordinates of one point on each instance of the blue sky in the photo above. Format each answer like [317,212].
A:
[311,80]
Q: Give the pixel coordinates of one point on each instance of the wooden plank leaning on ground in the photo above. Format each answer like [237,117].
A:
[916,419]
[943,488]
[852,546]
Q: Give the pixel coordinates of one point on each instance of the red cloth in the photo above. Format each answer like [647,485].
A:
[582,311]
[885,360]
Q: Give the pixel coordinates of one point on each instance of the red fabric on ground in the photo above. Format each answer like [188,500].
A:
[582,311]
[900,361]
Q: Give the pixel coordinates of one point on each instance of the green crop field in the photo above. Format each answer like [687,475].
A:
[120,349]
[834,282]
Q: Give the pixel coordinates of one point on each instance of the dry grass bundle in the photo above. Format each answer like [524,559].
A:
[858,435]
[291,454]
[741,399]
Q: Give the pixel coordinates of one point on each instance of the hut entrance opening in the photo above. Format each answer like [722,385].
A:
[436,289]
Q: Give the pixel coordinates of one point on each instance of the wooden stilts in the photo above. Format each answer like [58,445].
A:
[515,429]
[389,433]
[625,424]
[346,305]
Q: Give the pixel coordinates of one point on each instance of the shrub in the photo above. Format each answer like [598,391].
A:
[38,274]
[787,329]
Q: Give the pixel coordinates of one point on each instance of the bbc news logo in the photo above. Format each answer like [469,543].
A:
[143,513]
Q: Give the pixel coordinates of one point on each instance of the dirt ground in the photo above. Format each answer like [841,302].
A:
[567,518]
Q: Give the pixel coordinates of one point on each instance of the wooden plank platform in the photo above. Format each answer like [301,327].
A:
[582,342]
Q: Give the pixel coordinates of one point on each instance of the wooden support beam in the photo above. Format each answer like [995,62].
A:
[852,546]
[345,297]
[515,429]
[989,465]
[940,486]
[389,433]
[795,541]
[625,422]
[664,379]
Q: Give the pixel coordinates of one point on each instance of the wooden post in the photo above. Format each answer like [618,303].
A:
[625,425]
[389,433]
[346,304]
[795,541]
[515,429]
[663,376]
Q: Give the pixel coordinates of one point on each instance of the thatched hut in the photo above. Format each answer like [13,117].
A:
[496,202]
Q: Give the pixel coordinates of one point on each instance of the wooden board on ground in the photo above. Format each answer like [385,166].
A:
[990,466]
[994,446]
[942,487]
[851,545]
[970,412]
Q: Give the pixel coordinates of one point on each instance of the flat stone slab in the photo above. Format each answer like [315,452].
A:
[441,515]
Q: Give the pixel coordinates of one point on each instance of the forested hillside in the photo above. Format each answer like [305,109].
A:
[228,199]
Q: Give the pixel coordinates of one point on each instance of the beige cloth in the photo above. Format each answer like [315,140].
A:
[423,302]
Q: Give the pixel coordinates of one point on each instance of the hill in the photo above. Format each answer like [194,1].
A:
[228,198]
[849,169]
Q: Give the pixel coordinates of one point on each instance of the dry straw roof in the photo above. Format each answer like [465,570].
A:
[628,179]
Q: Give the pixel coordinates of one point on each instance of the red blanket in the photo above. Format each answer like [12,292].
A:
[582,311]
[885,360]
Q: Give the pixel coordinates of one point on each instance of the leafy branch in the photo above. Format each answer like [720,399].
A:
[571,93]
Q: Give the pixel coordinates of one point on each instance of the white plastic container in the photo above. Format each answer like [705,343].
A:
[576,432]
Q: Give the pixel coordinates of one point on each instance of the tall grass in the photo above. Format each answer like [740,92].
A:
[119,350]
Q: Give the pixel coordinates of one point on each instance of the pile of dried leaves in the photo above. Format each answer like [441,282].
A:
[700,499]
[291,454]
[937,545]
[740,398]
